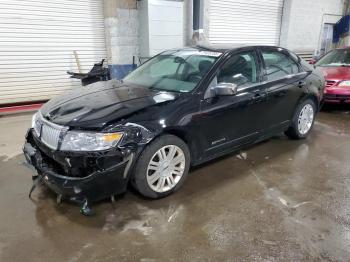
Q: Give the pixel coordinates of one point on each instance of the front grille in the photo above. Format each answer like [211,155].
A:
[50,136]
[49,133]
[335,96]
[330,83]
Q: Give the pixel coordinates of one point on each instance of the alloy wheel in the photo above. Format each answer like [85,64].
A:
[166,168]
[305,119]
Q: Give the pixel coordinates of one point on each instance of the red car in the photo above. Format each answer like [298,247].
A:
[336,68]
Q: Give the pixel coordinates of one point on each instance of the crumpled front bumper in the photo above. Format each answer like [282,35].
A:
[80,176]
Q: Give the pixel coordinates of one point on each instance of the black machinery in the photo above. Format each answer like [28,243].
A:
[99,72]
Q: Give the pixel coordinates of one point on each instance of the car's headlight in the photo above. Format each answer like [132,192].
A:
[89,141]
[344,83]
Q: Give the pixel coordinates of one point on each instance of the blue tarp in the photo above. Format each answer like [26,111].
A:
[341,27]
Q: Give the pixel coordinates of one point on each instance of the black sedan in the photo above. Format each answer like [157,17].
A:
[179,109]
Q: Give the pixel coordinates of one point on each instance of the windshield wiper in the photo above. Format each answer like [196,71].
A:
[155,87]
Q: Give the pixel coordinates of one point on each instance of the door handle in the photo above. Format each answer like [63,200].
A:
[301,84]
[258,96]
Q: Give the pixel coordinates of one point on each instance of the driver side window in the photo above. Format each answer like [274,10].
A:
[240,69]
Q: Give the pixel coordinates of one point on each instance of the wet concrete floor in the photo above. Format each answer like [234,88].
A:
[280,200]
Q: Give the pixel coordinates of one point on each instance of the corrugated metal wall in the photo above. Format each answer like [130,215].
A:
[37,40]
[245,21]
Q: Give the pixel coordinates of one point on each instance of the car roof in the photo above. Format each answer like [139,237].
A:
[219,48]
[229,47]
[223,49]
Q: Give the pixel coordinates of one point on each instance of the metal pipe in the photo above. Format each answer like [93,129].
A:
[198,13]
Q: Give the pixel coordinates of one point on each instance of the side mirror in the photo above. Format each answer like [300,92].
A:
[312,62]
[225,89]
[314,59]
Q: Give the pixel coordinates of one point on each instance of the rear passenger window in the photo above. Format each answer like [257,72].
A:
[278,65]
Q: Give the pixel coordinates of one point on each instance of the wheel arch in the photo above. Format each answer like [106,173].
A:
[184,136]
[314,98]
[303,98]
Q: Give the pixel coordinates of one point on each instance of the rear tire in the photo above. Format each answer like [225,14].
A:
[162,167]
[303,120]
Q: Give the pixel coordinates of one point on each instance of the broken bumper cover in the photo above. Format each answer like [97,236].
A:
[80,176]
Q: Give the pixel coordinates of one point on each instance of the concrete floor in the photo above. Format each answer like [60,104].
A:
[287,201]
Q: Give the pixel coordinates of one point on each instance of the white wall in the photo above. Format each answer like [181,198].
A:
[303,20]
[161,25]
[165,25]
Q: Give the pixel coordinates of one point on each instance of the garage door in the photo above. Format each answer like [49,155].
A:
[37,43]
[245,21]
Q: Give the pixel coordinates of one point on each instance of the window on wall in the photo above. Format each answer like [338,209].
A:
[241,69]
[278,65]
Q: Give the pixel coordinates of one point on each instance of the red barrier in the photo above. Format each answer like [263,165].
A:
[21,108]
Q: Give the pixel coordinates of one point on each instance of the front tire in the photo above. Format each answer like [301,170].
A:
[303,120]
[162,167]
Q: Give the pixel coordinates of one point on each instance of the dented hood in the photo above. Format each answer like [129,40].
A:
[96,105]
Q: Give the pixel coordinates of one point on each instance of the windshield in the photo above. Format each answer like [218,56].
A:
[177,71]
[338,57]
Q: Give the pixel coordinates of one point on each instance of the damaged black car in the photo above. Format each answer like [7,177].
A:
[181,108]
